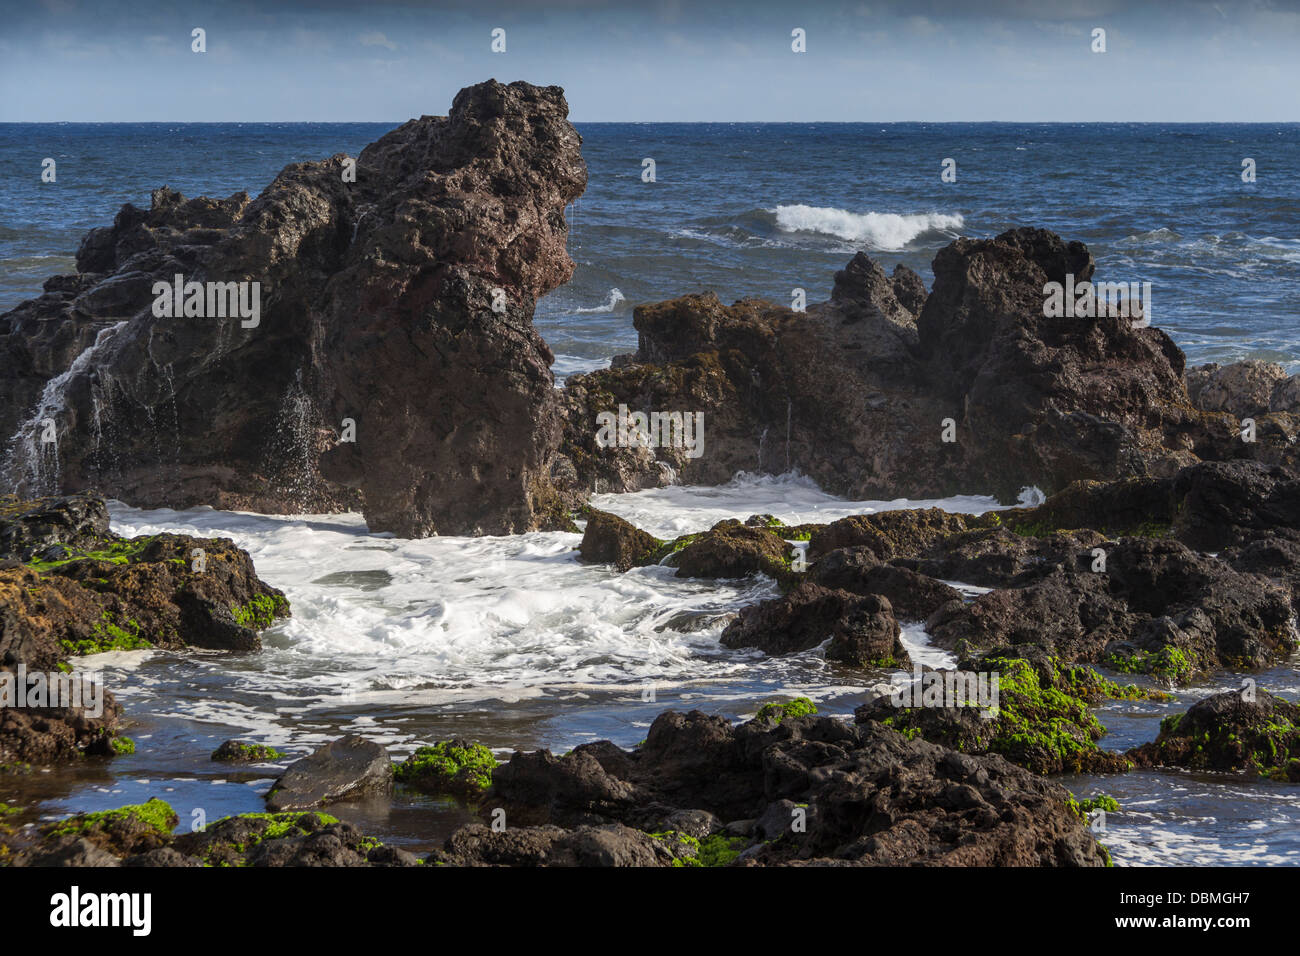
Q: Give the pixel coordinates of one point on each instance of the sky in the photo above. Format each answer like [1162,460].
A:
[655,60]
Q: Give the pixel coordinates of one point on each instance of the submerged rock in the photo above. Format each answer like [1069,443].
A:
[235,751]
[342,769]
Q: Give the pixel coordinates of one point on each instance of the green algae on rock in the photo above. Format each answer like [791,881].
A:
[1042,720]
[1240,731]
[778,712]
[234,751]
[456,767]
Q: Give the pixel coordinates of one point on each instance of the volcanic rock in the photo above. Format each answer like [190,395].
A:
[1243,730]
[393,364]
[342,769]
[855,392]
[872,796]
[608,539]
[861,628]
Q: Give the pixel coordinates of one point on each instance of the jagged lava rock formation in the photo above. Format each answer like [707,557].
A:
[377,304]
[402,302]
[854,391]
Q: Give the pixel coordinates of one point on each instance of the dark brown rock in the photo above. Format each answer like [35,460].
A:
[608,539]
[1248,730]
[861,628]
[597,846]
[731,550]
[1157,607]
[912,596]
[872,797]
[342,769]
[377,306]
[1034,400]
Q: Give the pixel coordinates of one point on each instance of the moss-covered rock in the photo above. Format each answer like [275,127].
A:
[721,850]
[1085,808]
[1042,720]
[457,767]
[142,836]
[228,841]
[234,751]
[776,712]
[1230,732]
[730,550]
[684,847]
[260,611]
[131,829]
[788,532]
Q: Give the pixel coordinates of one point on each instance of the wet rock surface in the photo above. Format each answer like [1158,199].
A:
[861,629]
[1250,731]
[608,539]
[1158,607]
[868,796]
[730,550]
[346,768]
[426,266]
[70,587]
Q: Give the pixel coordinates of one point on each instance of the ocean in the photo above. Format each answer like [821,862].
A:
[511,641]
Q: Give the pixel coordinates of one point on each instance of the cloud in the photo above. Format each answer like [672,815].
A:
[375,38]
[922,26]
[315,41]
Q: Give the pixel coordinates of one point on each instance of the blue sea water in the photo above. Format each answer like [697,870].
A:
[513,642]
[759,209]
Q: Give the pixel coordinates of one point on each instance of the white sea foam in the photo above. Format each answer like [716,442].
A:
[611,303]
[886,231]
[31,460]
[795,499]
[389,634]
[392,622]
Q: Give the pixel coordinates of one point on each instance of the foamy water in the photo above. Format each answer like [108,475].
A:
[515,642]
[379,620]
[884,231]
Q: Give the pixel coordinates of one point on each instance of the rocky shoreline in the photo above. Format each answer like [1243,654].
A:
[395,369]
[895,784]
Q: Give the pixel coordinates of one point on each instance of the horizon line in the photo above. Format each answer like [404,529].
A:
[712,122]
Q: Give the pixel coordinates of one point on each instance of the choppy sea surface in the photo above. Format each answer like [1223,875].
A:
[509,639]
